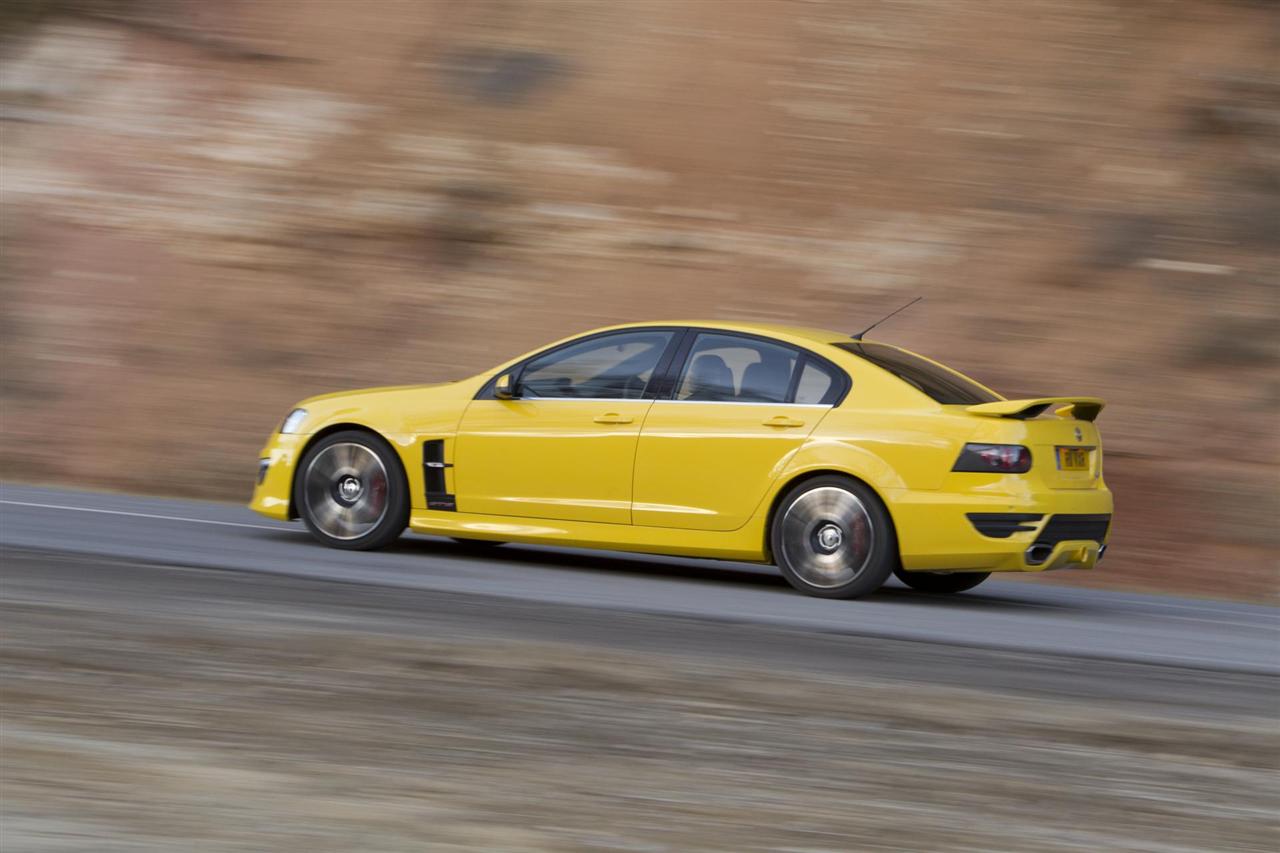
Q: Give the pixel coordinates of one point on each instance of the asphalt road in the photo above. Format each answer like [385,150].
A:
[151,707]
[1005,615]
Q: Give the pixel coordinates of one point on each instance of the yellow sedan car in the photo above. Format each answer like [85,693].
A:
[840,460]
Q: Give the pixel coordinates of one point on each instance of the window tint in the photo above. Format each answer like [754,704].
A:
[729,368]
[940,384]
[817,385]
[615,366]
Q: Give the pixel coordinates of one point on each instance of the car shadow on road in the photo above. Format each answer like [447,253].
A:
[679,569]
[983,598]
[595,562]
[739,574]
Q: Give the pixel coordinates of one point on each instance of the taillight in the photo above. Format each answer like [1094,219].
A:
[994,459]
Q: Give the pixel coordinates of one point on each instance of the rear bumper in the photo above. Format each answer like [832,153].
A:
[935,532]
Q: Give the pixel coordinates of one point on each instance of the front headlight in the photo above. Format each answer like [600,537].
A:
[293,421]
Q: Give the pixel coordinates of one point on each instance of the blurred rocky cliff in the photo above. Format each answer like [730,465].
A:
[211,210]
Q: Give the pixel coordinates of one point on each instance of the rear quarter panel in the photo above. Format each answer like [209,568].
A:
[884,432]
[889,450]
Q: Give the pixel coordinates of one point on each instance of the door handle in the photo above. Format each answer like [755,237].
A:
[612,418]
[783,421]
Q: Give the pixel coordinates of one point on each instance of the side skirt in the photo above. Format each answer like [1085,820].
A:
[745,544]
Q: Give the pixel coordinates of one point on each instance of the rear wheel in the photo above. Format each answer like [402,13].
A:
[351,491]
[941,581]
[833,538]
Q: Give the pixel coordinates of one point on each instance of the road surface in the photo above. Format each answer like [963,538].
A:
[1004,615]
[185,675]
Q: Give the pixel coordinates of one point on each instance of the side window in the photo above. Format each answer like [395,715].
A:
[817,385]
[729,368]
[616,366]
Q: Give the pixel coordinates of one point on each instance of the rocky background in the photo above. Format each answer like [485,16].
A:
[211,210]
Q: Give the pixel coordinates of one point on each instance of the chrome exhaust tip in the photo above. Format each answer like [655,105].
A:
[1102,549]
[1037,554]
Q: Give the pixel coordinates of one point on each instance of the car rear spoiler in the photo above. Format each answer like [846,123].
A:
[1082,408]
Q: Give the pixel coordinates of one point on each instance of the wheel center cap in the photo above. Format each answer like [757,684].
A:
[830,537]
[349,488]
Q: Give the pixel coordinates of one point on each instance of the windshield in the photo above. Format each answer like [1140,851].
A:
[942,385]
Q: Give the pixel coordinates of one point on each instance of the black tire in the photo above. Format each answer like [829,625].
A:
[823,527]
[350,491]
[943,582]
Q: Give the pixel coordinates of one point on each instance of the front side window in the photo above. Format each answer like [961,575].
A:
[729,368]
[940,384]
[614,366]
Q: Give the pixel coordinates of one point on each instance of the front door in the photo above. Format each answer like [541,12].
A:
[564,448]
[742,405]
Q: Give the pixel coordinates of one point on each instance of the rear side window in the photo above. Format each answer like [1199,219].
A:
[723,367]
[730,368]
[941,385]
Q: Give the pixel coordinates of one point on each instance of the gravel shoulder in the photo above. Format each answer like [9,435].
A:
[148,707]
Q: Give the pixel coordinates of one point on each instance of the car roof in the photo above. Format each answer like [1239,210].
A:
[778,330]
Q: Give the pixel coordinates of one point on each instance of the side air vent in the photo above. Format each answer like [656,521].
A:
[1002,525]
[433,468]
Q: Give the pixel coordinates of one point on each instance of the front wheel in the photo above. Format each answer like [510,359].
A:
[941,581]
[832,537]
[351,491]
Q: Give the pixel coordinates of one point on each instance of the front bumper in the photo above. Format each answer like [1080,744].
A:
[275,483]
[936,534]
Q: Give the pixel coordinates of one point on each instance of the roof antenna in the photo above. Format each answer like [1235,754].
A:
[858,336]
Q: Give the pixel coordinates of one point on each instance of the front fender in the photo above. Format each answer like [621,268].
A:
[404,417]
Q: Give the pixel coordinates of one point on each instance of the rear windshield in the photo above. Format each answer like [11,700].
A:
[940,384]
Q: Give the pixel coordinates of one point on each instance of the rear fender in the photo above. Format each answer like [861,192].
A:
[890,449]
[827,454]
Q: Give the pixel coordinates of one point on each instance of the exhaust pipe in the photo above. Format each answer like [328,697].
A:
[1102,549]
[1038,553]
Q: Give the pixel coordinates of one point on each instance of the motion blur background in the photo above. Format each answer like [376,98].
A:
[213,209]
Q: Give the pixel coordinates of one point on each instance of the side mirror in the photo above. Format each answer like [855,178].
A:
[504,388]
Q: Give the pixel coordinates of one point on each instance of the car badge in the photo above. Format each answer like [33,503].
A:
[1079,434]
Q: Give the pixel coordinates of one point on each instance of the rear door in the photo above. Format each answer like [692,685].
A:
[739,407]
